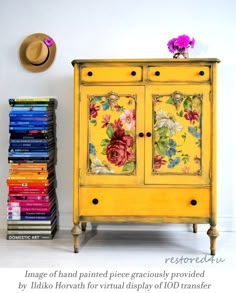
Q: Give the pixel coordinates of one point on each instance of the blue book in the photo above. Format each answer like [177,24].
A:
[30,109]
[14,119]
[31,141]
[29,127]
[29,114]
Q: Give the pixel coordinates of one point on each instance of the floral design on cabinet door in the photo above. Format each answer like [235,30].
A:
[112,134]
[177,134]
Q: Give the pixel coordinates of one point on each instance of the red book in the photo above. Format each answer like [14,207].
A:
[26,204]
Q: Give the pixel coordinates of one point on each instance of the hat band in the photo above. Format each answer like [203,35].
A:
[42,62]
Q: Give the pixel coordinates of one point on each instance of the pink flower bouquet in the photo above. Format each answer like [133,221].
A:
[180,45]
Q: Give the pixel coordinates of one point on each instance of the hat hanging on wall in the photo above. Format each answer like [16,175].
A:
[37,52]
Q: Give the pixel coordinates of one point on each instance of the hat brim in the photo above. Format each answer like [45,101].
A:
[22,53]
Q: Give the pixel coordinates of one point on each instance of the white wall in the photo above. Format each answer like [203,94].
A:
[113,29]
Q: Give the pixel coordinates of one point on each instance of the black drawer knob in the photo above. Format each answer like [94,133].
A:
[157,73]
[193,202]
[201,72]
[95,201]
[141,134]
[90,73]
[148,134]
[133,73]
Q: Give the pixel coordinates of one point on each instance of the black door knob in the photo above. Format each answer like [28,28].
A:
[95,201]
[141,134]
[157,73]
[90,73]
[148,134]
[193,202]
[133,73]
[201,72]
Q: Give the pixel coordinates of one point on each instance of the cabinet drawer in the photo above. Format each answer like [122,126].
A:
[111,74]
[171,202]
[174,73]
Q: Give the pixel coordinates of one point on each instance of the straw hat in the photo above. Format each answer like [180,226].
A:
[37,52]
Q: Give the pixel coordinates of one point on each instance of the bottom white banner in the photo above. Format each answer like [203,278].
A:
[27,280]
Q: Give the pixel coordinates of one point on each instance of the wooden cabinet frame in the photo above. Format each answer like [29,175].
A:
[150,188]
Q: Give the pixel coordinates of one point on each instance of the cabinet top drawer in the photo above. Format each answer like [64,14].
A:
[136,62]
[180,73]
[111,74]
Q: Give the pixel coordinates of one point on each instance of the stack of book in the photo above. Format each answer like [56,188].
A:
[32,203]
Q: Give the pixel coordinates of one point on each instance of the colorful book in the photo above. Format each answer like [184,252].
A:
[33,236]
[31,109]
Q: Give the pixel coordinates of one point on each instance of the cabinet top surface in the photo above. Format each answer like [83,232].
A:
[145,61]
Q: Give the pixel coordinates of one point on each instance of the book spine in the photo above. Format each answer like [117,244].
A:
[32,131]
[32,99]
[29,222]
[34,209]
[29,109]
[30,237]
[31,128]
[35,204]
[33,217]
[32,124]
[29,232]
[27,189]
[30,199]
[30,227]
[22,114]
[30,141]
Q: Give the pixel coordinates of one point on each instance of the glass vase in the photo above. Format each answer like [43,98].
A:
[181,54]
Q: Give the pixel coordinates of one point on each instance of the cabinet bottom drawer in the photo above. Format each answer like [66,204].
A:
[173,202]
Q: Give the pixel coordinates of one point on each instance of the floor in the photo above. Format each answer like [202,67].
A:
[121,250]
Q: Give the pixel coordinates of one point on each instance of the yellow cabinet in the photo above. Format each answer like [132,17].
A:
[145,142]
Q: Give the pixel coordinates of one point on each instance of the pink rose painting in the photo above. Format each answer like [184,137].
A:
[119,149]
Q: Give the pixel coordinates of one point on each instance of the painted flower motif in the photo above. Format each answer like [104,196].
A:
[94,110]
[186,169]
[105,106]
[120,134]
[174,162]
[158,101]
[117,108]
[164,121]
[119,150]
[49,42]
[92,149]
[117,124]
[159,161]
[192,116]
[118,153]
[197,160]
[171,148]
[100,168]
[105,120]
[128,118]
[194,132]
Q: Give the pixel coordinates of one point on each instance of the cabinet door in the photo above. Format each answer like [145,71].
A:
[178,120]
[109,135]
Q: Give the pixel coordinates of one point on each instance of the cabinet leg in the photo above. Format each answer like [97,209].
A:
[83,226]
[194,228]
[76,232]
[213,234]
